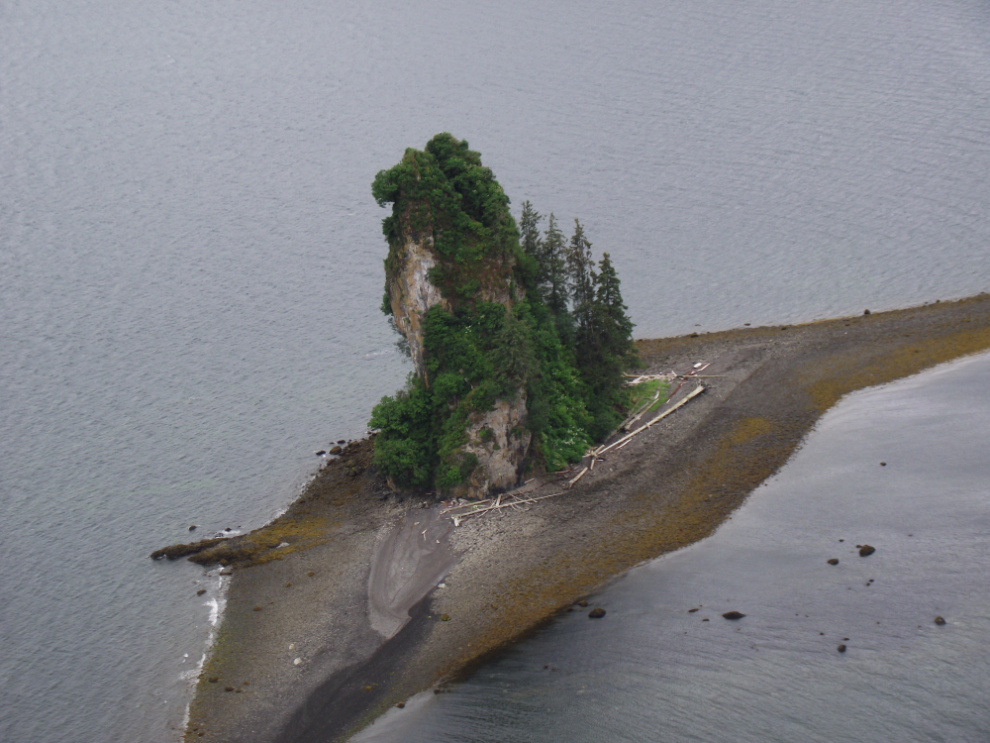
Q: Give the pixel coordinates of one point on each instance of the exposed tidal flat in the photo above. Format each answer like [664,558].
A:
[298,656]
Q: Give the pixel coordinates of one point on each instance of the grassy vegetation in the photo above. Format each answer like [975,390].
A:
[640,394]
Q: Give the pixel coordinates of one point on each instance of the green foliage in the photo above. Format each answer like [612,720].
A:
[444,191]
[564,341]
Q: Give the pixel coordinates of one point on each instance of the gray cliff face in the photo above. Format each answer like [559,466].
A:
[499,441]
[412,293]
[501,449]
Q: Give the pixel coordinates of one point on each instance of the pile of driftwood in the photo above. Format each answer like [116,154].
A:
[511,499]
[641,410]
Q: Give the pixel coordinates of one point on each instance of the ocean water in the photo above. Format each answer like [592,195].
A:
[652,670]
[190,259]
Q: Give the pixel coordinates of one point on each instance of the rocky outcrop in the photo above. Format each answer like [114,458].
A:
[499,441]
[411,293]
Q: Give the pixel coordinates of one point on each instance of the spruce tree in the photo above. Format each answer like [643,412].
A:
[556,281]
[529,231]
[616,325]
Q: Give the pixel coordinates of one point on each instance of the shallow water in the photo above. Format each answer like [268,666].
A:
[652,671]
[190,260]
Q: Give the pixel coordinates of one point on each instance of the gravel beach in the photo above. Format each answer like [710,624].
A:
[356,599]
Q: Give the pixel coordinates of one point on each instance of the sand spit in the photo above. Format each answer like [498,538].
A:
[302,655]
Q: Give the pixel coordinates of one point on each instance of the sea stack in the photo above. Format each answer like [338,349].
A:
[449,251]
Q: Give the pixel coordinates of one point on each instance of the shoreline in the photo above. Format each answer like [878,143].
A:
[515,569]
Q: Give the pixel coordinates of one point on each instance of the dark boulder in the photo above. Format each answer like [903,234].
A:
[733,615]
[596,613]
[866,550]
[833,561]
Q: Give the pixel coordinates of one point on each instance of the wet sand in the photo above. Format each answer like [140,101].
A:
[506,572]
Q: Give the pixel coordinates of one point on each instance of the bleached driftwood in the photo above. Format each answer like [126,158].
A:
[692,394]
[507,504]
[580,474]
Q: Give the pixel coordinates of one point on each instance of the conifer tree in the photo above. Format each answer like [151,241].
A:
[556,292]
[529,231]
[581,275]
[616,325]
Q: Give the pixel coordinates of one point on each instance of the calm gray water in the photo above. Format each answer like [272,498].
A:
[190,260]
[652,672]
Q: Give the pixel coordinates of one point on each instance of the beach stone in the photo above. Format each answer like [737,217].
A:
[582,603]
[320,453]
[229,688]
[733,615]
[866,312]
[841,648]
[705,619]
[939,620]
[692,611]
[311,573]
[342,441]
[201,591]
[866,550]
[335,450]
[258,608]
[596,613]
[833,561]
[883,464]
[401,705]
[192,528]
[444,617]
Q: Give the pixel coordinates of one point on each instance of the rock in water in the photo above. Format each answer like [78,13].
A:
[939,620]
[596,613]
[866,550]
[833,561]
[733,615]
[841,648]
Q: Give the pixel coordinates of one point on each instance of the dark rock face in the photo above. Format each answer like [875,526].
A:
[733,615]
[833,561]
[596,613]
[866,550]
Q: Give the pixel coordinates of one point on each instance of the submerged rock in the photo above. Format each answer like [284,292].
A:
[939,620]
[733,615]
[596,613]
[833,561]
[866,550]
